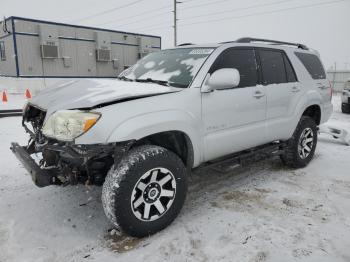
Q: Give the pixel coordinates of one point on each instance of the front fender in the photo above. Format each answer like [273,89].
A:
[147,124]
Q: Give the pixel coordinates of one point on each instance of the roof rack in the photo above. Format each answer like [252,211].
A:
[249,39]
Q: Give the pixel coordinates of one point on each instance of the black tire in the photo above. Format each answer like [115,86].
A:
[291,156]
[122,181]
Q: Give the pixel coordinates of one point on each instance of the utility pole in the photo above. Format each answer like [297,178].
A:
[334,72]
[175,21]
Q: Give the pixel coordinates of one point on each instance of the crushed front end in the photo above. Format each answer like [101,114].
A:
[53,162]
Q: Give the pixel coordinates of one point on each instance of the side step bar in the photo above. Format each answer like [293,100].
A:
[228,163]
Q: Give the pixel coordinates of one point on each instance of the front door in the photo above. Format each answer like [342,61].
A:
[234,119]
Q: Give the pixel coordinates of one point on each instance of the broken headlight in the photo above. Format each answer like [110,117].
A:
[66,125]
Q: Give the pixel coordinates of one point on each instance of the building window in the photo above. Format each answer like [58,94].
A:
[2,51]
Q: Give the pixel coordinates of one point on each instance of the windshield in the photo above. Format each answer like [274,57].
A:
[176,67]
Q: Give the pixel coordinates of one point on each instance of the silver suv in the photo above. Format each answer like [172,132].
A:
[175,110]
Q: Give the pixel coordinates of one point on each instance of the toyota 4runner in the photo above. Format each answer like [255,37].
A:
[140,135]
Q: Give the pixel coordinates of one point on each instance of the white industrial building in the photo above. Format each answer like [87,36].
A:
[40,49]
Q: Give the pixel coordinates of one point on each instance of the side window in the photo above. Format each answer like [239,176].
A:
[291,77]
[241,59]
[2,51]
[312,64]
[273,69]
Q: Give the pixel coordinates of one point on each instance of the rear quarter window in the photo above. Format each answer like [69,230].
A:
[312,64]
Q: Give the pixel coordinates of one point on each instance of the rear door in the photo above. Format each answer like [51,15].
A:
[234,119]
[282,90]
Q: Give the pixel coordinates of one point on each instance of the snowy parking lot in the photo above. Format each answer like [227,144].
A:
[262,212]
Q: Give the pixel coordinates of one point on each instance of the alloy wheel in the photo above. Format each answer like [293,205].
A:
[153,194]
[306,142]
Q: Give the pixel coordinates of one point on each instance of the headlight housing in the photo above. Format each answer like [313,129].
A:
[66,125]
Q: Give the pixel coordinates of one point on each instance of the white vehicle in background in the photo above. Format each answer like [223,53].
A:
[175,110]
[345,98]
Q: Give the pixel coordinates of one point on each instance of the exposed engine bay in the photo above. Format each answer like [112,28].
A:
[69,164]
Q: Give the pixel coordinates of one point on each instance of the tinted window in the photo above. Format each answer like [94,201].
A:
[273,69]
[291,77]
[241,59]
[312,64]
[2,51]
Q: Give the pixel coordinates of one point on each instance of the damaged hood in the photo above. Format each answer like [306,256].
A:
[87,93]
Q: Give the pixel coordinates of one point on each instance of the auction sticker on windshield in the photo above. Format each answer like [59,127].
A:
[201,51]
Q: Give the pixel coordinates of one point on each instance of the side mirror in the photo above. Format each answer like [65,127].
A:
[224,78]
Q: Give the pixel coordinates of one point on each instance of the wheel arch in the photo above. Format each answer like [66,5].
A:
[174,140]
[313,111]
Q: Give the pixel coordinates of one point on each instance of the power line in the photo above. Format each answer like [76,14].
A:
[137,15]
[239,9]
[192,17]
[228,11]
[108,11]
[205,4]
[141,20]
[249,15]
[232,10]
[267,12]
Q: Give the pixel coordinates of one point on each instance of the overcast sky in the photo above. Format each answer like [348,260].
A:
[321,24]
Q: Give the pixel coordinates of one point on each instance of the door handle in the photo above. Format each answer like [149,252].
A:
[295,89]
[258,94]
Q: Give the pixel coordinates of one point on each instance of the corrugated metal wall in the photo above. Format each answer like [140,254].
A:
[8,67]
[76,43]
[338,78]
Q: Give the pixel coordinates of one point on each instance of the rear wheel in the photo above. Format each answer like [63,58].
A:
[302,145]
[146,191]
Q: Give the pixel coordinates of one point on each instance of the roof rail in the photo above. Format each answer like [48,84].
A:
[249,39]
[184,44]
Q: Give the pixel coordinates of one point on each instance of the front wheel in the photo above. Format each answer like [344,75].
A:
[301,146]
[145,192]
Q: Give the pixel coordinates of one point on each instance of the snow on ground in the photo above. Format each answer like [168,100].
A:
[263,212]
[14,101]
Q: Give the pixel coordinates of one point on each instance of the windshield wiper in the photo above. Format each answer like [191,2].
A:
[150,80]
[124,78]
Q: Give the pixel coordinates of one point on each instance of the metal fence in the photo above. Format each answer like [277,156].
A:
[338,78]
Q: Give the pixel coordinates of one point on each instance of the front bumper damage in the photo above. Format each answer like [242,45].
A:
[71,164]
[53,162]
[41,177]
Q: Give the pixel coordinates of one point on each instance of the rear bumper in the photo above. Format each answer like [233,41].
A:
[41,177]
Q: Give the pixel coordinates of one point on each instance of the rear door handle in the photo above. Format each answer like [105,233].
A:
[258,94]
[295,89]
